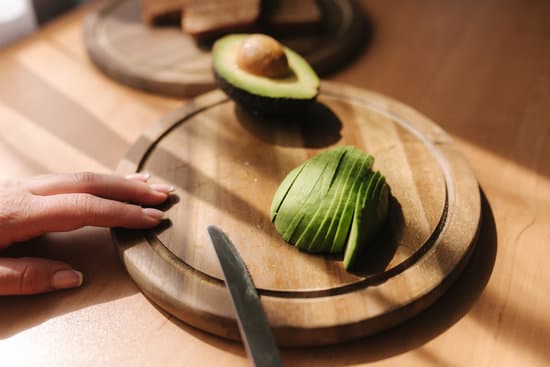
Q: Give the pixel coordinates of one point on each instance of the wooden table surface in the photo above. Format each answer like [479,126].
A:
[481,69]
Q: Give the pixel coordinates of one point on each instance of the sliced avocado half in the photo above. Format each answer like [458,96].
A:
[332,203]
[260,94]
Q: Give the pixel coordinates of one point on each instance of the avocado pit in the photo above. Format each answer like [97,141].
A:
[264,56]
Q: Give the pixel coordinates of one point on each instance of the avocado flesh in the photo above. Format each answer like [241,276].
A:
[321,241]
[369,215]
[305,188]
[343,223]
[308,226]
[309,239]
[259,94]
[326,232]
[283,189]
[332,203]
[356,234]
[291,210]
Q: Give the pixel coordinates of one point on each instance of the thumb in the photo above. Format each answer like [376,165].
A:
[29,275]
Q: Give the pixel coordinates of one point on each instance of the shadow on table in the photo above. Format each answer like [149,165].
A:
[451,307]
[89,250]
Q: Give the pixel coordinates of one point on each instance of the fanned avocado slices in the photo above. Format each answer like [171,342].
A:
[312,181]
[332,203]
[330,161]
[306,239]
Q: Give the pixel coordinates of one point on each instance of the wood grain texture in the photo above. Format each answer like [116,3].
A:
[166,61]
[478,68]
[226,166]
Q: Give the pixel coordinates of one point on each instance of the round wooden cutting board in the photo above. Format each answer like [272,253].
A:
[166,61]
[226,165]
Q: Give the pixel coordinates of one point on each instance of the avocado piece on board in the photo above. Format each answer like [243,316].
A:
[313,208]
[343,223]
[293,207]
[283,189]
[369,215]
[350,170]
[309,238]
[263,76]
[332,203]
[321,241]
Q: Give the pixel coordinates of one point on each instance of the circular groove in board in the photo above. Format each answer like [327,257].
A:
[166,61]
[309,299]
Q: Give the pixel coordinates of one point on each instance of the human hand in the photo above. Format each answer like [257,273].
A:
[63,202]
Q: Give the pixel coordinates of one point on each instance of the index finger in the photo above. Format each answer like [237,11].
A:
[65,212]
[106,186]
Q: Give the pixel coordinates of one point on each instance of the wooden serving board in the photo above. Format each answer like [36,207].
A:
[226,166]
[166,61]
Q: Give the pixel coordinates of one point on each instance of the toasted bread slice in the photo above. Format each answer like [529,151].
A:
[206,19]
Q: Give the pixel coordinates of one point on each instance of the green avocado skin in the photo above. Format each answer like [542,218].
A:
[332,203]
[263,106]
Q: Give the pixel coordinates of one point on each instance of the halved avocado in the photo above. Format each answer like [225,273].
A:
[287,93]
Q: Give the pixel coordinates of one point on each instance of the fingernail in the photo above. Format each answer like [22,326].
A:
[165,189]
[144,176]
[154,213]
[66,279]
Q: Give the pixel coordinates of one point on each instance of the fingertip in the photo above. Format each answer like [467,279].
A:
[29,275]
[154,215]
[66,278]
[139,176]
[162,188]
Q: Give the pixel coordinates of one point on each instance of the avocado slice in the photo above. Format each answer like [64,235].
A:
[263,95]
[343,223]
[323,239]
[291,209]
[283,189]
[309,239]
[355,238]
[369,215]
[311,220]
[297,200]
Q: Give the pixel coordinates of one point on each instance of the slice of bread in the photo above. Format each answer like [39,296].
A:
[206,19]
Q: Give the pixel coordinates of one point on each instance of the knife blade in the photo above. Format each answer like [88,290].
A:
[255,331]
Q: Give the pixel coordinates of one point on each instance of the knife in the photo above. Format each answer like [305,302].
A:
[255,331]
